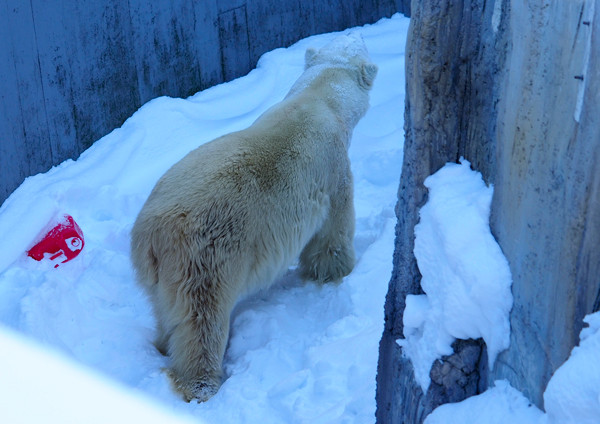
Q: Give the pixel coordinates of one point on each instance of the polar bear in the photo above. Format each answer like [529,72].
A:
[234,213]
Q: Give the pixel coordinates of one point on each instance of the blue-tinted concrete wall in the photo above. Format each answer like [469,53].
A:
[72,71]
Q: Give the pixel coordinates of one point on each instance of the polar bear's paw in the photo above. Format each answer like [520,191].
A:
[329,265]
[199,389]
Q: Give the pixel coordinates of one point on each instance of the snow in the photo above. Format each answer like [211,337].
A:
[465,276]
[573,393]
[51,388]
[500,404]
[467,282]
[297,352]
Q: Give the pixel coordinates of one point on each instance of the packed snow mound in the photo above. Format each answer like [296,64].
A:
[39,385]
[500,404]
[467,284]
[573,393]
[465,276]
[571,397]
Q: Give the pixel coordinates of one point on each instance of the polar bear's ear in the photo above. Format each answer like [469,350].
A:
[309,57]
[368,73]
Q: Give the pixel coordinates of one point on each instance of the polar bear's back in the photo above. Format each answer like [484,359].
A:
[293,141]
[261,192]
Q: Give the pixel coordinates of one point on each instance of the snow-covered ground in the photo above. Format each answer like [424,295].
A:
[298,353]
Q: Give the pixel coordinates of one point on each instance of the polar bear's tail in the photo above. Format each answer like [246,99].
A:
[143,256]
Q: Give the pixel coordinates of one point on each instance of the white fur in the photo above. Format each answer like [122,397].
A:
[233,214]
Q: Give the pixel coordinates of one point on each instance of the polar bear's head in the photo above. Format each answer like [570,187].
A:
[341,75]
[346,50]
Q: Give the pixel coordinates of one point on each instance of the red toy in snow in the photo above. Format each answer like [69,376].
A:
[61,244]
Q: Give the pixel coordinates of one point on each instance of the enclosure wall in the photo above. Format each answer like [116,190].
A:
[70,72]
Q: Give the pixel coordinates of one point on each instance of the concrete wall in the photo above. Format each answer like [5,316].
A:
[70,72]
[514,87]
[546,208]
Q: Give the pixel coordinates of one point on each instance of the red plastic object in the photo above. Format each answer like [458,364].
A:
[61,244]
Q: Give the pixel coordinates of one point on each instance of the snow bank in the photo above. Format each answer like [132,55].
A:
[467,284]
[501,404]
[571,397]
[41,386]
[573,393]
[466,278]
[297,352]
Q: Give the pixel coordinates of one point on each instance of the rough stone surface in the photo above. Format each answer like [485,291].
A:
[546,207]
[514,87]
[449,77]
[70,72]
[458,376]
